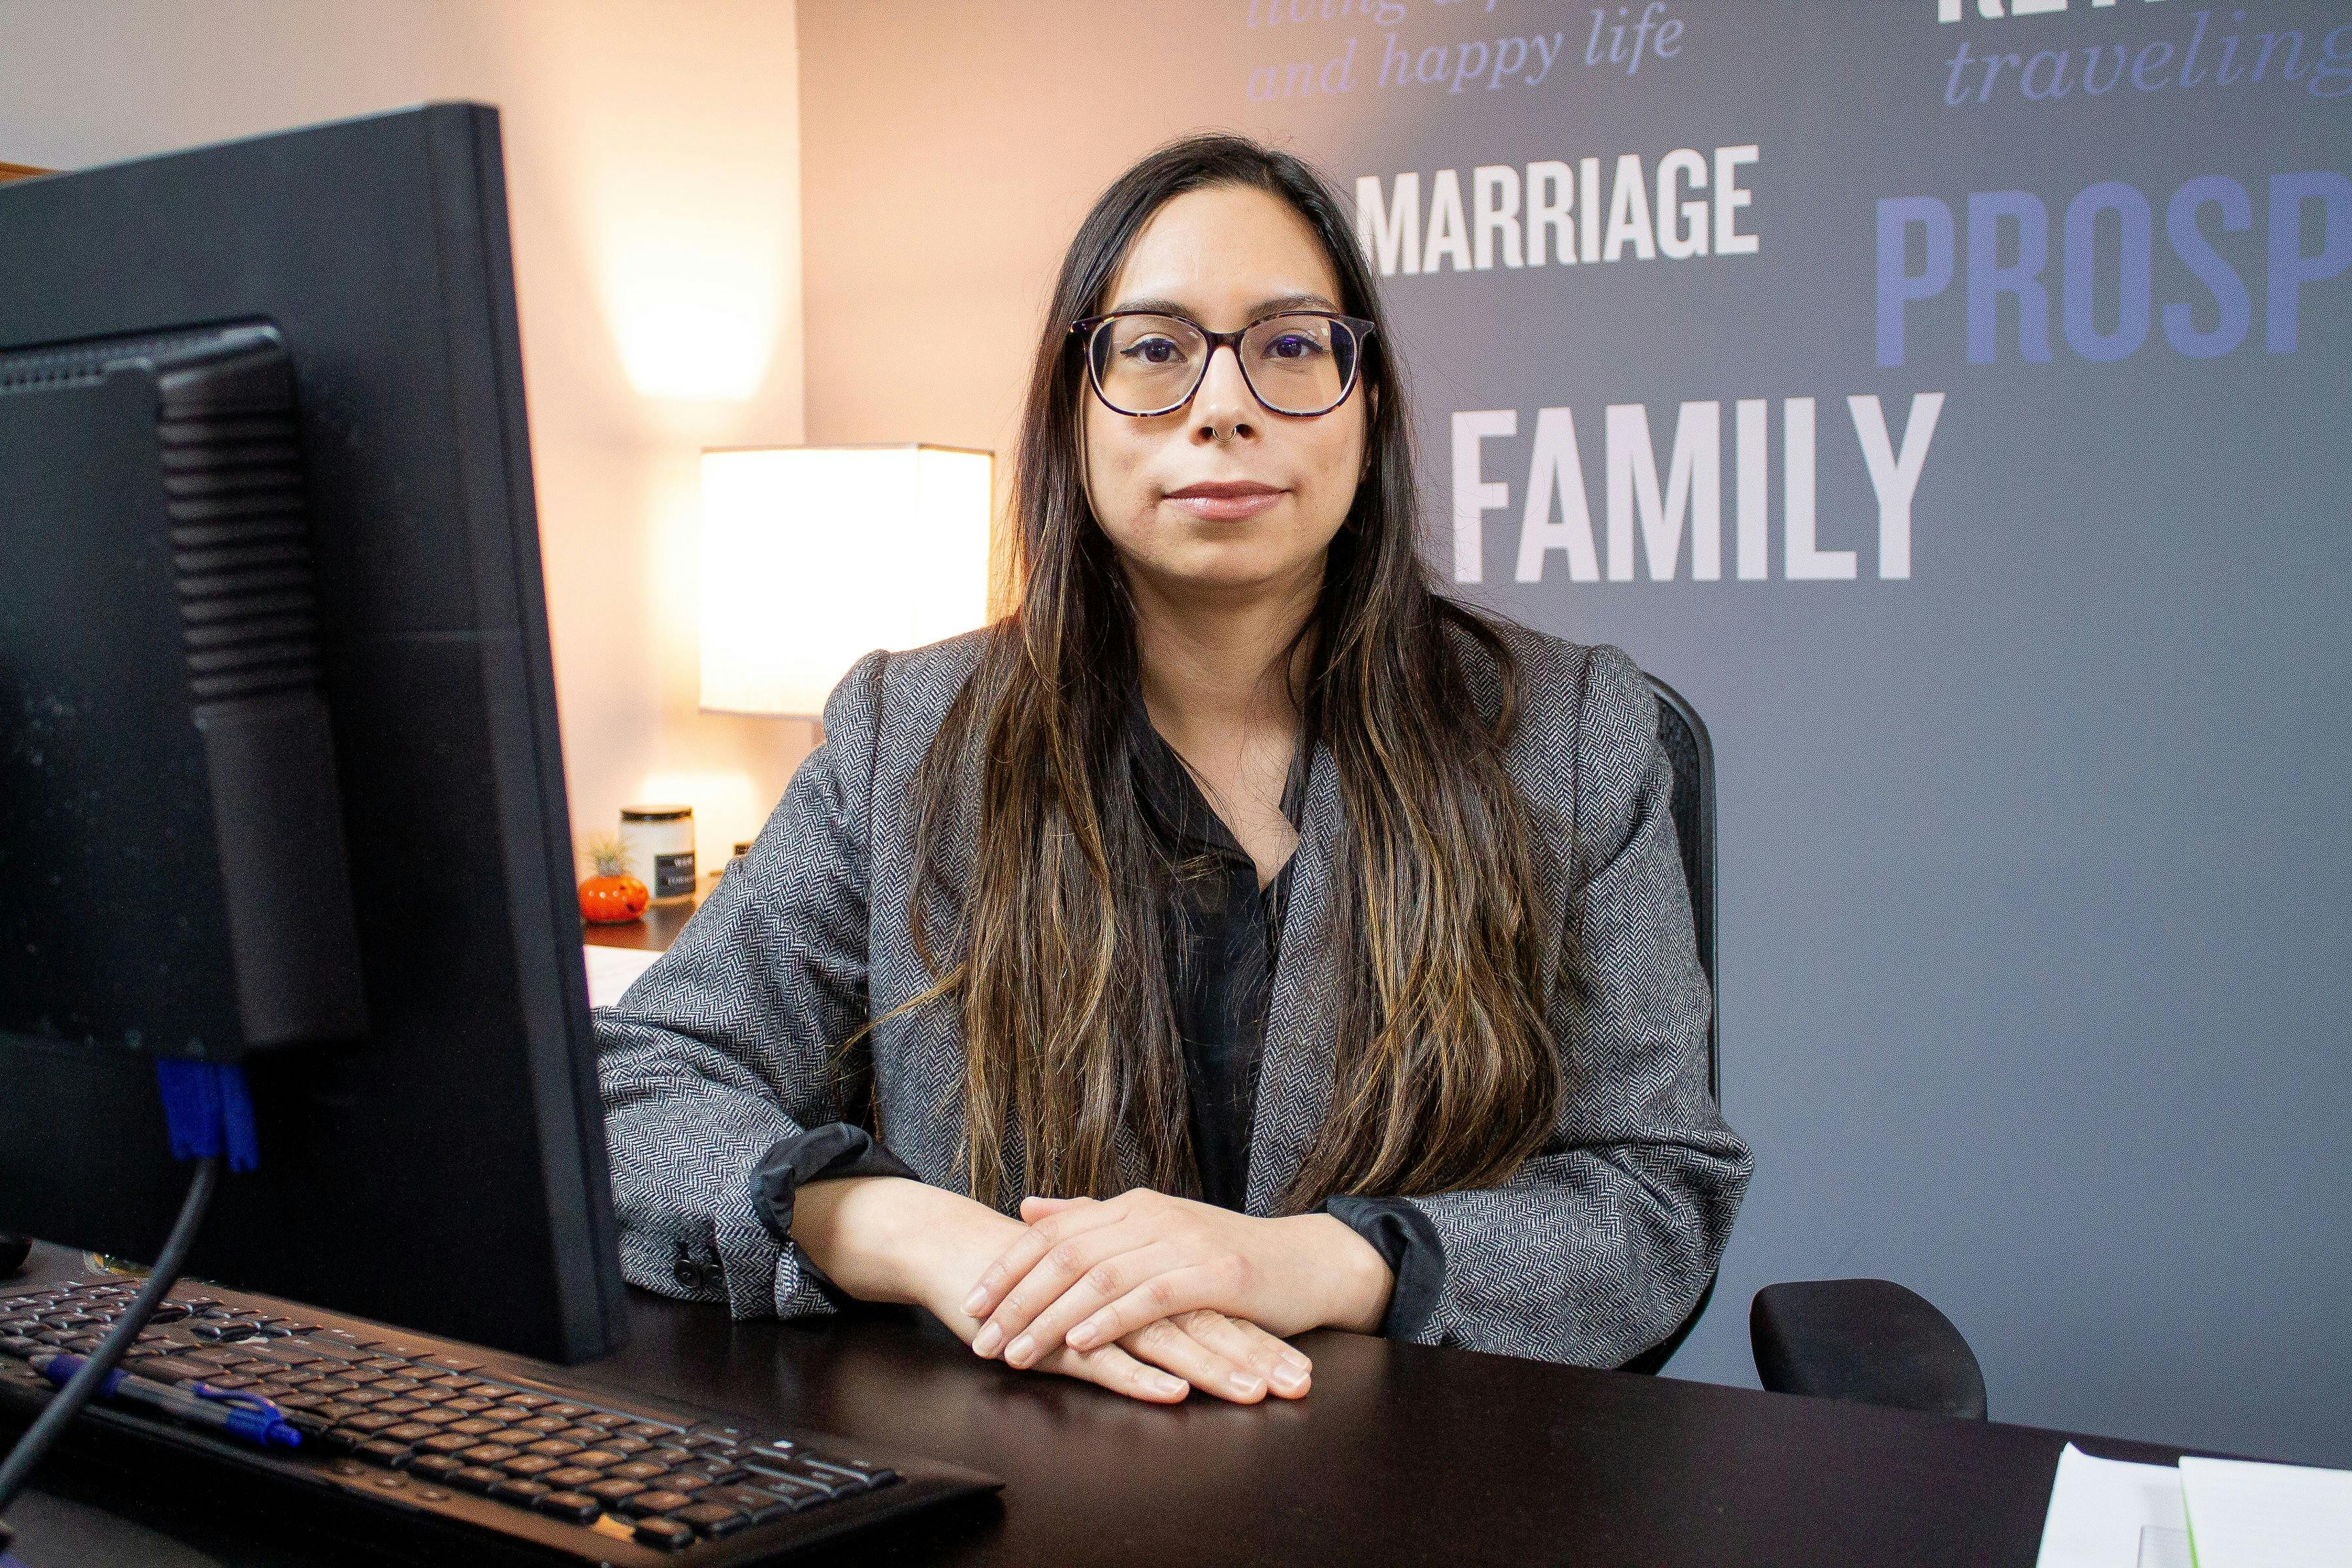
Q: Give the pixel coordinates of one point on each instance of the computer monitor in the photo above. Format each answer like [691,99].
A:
[307,813]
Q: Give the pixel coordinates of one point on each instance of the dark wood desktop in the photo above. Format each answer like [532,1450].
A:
[1400,1455]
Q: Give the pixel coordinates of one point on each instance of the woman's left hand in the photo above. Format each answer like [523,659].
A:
[1088,1273]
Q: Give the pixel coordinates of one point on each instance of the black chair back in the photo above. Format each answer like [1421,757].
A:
[1684,736]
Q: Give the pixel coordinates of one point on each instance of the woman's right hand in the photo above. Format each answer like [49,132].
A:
[884,1238]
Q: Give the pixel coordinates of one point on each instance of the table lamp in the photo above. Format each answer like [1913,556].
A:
[812,556]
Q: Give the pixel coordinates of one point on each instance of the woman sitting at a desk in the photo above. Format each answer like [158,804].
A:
[1439,1073]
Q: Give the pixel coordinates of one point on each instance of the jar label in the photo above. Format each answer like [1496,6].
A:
[673,875]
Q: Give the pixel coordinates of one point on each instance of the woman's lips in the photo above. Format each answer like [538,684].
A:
[1231,506]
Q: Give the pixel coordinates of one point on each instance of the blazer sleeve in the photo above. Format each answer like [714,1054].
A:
[725,1046]
[1601,1242]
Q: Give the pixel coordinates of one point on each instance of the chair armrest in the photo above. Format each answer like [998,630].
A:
[1870,1340]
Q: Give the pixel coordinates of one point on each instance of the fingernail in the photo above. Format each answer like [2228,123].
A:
[1170,1386]
[1293,1361]
[1246,1385]
[975,1302]
[1289,1379]
[1082,1338]
[987,1339]
[1021,1350]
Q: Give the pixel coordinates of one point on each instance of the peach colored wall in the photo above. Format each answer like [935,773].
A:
[653,164]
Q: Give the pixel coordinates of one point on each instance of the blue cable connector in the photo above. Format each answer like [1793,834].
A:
[210,1113]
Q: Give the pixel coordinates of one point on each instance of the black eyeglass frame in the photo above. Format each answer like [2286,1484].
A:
[1084,329]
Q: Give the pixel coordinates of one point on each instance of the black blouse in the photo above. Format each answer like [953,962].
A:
[1224,937]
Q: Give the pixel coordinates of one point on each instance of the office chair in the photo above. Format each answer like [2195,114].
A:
[1866,1340]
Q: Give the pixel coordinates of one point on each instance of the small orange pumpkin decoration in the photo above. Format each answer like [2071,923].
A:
[612,896]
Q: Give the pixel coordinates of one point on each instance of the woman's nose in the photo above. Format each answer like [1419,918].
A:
[1222,402]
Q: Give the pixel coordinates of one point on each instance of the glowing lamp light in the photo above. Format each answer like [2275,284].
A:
[814,556]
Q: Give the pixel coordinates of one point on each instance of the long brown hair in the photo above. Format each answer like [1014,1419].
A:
[1445,1074]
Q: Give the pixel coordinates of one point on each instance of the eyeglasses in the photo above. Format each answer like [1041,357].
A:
[1299,362]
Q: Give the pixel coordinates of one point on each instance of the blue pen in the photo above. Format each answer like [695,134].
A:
[240,1416]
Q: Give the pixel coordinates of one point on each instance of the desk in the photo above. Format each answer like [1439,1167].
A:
[657,927]
[1400,1454]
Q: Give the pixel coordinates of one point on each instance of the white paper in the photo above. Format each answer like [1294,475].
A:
[2099,1507]
[611,970]
[2245,1515]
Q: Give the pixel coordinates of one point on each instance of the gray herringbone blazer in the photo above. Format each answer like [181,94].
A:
[1595,1249]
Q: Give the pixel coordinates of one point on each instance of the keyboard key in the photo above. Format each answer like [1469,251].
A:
[713,1519]
[799,1490]
[525,1492]
[759,1507]
[596,1458]
[570,1412]
[370,1423]
[452,1363]
[437,1466]
[470,1404]
[636,1505]
[650,1433]
[611,1491]
[410,1432]
[637,1470]
[326,1349]
[530,1467]
[477,1424]
[398,1385]
[608,1420]
[447,1443]
[400,1406]
[386,1452]
[488,1453]
[858,1469]
[542,1424]
[630,1445]
[476,1478]
[572,1477]
[666,1533]
[574,1506]
[535,1400]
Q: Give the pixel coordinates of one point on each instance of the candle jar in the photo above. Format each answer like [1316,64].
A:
[661,839]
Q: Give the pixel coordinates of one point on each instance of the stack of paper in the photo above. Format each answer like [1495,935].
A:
[2208,1513]
[611,970]
[2267,1516]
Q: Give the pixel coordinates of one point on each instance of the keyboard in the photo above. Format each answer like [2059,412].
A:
[458,1453]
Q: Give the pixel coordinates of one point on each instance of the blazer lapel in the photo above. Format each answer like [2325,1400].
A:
[1294,1080]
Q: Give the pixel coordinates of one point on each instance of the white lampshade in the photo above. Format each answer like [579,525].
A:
[814,556]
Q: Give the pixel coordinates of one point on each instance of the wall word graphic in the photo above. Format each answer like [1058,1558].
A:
[2105,269]
[1949,10]
[2323,69]
[1553,212]
[1617,47]
[1556,514]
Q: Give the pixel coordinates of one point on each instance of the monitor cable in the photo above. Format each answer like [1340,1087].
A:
[76,1393]
[210,1116]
